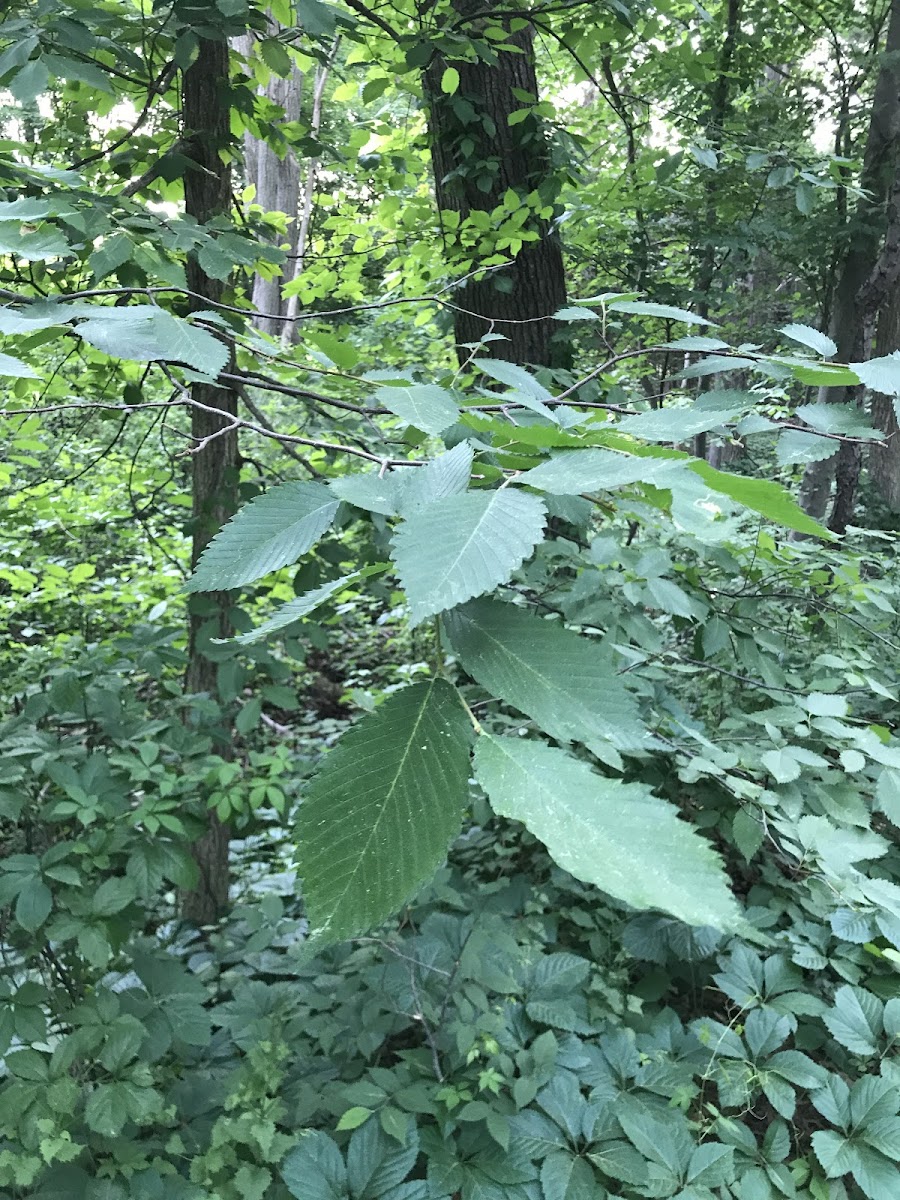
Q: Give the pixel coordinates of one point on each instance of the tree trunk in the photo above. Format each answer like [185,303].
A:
[884,459]
[207,194]
[864,235]
[477,158]
[719,104]
[277,182]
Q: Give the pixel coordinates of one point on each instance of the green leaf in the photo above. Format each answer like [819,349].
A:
[887,794]
[273,530]
[110,255]
[880,374]
[354,1117]
[643,308]
[856,1019]
[377,819]
[295,610]
[821,343]
[461,546]
[572,472]
[13,367]
[372,491]
[424,405]
[112,896]
[711,1165]
[769,499]
[566,1176]
[446,475]
[875,1174]
[837,418]
[781,765]
[33,904]
[450,81]
[562,681]
[834,1152]
[795,446]
[314,1169]
[677,424]
[105,1111]
[575,314]
[617,836]
[20,320]
[144,333]
[33,247]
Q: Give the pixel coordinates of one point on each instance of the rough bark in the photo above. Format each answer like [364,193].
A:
[884,459]
[207,194]
[864,234]
[277,182]
[515,301]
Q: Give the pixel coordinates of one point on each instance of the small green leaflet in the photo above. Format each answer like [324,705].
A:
[562,681]
[644,308]
[617,836]
[821,343]
[575,314]
[272,531]
[144,333]
[462,546]
[294,610]
[14,367]
[424,405]
[795,446]
[573,472]
[377,819]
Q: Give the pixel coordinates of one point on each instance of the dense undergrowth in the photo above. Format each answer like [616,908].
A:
[512,1034]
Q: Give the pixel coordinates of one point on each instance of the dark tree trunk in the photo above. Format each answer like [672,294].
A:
[207,194]
[477,157]
[864,234]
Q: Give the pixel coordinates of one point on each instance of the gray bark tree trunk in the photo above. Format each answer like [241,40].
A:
[277,182]
[215,468]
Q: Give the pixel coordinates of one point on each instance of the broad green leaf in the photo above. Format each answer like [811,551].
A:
[567,1176]
[33,247]
[696,343]
[571,313]
[144,333]
[272,531]
[562,681]
[644,308]
[856,1019]
[424,405]
[807,336]
[25,209]
[513,376]
[105,1112]
[450,81]
[617,836]
[377,819]
[876,1175]
[572,472]
[795,446]
[33,904]
[880,374]
[462,546]
[887,794]
[764,496]
[13,367]
[677,424]
[838,418]
[19,320]
[314,1169]
[295,610]
[834,1152]
[373,491]
[446,475]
